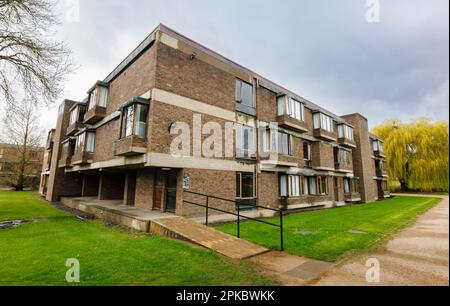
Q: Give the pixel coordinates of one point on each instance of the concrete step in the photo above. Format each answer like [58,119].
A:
[191,231]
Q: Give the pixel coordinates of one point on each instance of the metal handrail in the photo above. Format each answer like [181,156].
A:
[238,214]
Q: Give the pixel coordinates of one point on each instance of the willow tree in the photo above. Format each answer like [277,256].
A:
[417,153]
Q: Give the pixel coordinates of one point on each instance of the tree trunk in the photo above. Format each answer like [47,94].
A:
[404,186]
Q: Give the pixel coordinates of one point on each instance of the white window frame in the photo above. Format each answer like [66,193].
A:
[241,151]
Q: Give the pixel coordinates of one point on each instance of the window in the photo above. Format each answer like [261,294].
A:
[127,121]
[134,120]
[245,185]
[346,185]
[324,122]
[292,185]
[323,185]
[79,145]
[244,93]
[99,96]
[2,152]
[245,141]
[295,109]
[346,132]
[93,99]
[378,146]
[85,142]
[141,120]
[264,139]
[73,116]
[103,96]
[312,185]
[282,143]
[90,144]
[307,151]
[343,157]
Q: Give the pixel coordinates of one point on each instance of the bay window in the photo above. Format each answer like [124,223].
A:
[324,122]
[134,120]
[291,107]
[323,185]
[73,116]
[351,185]
[343,157]
[346,132]
[98,96]
[85,142]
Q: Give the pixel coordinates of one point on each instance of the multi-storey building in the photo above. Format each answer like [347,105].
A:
[10,156]
[160,123]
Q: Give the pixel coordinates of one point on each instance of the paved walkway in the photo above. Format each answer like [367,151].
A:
[419,255]
[291,270]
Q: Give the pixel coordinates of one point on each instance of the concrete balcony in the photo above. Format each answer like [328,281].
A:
[65,162]
[325,135]
[82,158]
[130,146]
[354,197]
[288,122]
[74,128]
[95,114]
[351,144]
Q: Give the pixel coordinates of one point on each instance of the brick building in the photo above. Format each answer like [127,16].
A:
[284,150]
[9,161]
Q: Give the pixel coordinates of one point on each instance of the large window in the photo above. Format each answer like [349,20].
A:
[245,185]
[99,96]
[244,93]
[296,186]
[294,108]
[343,157]
[346,132]
[324,122]
[245,141]
[90,142]
[134,120]
[282,143]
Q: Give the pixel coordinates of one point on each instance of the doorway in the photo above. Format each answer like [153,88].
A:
[165,190]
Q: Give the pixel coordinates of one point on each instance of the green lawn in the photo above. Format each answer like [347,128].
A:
[331,238]
[36,253]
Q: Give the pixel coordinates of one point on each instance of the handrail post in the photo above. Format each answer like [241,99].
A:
[281,230]
[239,221]
[207,210]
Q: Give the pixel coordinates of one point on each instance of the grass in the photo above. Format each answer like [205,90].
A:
[331,238]
[25,205]
[36,253]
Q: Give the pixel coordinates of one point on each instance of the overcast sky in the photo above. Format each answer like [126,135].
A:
[323,50]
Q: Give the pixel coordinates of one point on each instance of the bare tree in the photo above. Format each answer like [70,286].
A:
[32,63]
[21,125]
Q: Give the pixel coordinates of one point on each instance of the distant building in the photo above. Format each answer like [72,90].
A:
[9,162]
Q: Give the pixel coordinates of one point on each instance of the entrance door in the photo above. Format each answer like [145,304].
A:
[336,189]
[171,191]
